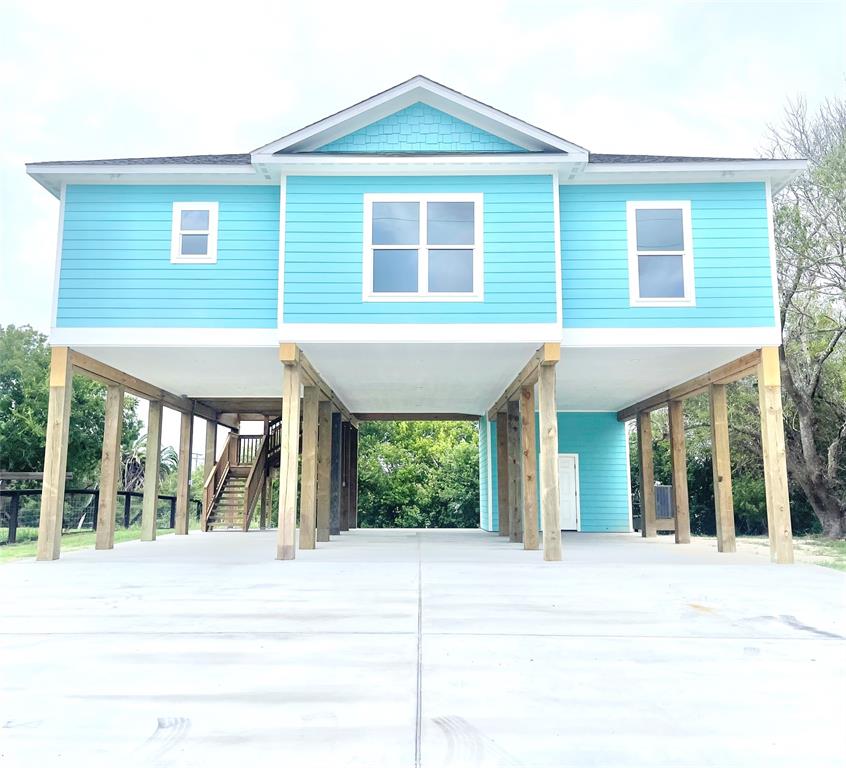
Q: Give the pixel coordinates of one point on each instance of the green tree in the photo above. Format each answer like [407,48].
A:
[418,474]
[24,392]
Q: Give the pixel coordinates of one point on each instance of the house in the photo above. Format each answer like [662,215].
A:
[420,254]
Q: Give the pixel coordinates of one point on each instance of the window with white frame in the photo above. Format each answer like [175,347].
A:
[660,253]
[423,247]
[194,233]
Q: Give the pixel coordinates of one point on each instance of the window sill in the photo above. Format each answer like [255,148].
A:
[662,303]
[203,260]
[421,297]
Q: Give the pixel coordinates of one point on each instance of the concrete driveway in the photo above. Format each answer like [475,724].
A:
[432,648]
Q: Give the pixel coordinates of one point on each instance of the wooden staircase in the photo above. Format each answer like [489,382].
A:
[234,485]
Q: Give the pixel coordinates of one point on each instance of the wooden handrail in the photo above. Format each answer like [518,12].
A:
[252,488]
[217,478]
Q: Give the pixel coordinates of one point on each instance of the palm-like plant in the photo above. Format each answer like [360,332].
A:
[133,461]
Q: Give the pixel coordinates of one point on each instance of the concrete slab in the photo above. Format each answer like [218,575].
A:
[432,648]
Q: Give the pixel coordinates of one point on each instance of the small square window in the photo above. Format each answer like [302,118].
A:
[194,233]
[394,271]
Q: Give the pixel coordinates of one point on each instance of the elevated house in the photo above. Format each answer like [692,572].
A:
[420,255]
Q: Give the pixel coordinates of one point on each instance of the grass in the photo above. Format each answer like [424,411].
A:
[831,552]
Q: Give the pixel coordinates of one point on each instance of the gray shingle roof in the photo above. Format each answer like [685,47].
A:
[240,159]
[605,158]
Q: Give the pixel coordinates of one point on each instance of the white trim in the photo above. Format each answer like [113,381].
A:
[423,247]
[283,211]
[578,492]
[459,333]
[626,437]
[556,223]
[57,267]
[768,191]
[699,165]
[490,472]
[671,337]
[176,233]
[635,299]
[164,337]
[359,162]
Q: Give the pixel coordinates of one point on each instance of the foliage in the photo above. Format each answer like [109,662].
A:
[418,474]
[133,462]
[168,481]
[24,393]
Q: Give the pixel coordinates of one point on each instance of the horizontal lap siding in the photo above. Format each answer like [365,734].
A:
[600,441]
[324,251]
[116,269]
[733,278]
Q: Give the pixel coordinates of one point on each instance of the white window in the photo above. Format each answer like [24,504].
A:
[660,253]
[194,233]
[423,247]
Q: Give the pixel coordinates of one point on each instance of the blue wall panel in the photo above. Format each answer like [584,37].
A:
[324,251]
[733,278]
[116,269]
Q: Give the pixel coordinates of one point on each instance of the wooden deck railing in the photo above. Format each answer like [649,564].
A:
[255,481]
[217,479]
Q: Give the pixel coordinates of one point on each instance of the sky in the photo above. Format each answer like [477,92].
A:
[82,80]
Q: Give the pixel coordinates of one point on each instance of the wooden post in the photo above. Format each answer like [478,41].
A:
[55,455]
[324,468]
[775,460]
[678,457]
[183,476]
[308,492]
[149,511]
[515,475]
[109,468]
[648,523]
[530,468]
[502,472]
[721,461]
[335,477]
[353,477]
[265,498]
[290,440]
[550,499]
[346,428]
[210,455]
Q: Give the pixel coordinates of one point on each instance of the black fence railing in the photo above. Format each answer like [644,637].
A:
[20,510]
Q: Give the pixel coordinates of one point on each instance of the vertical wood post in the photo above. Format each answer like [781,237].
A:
[515,475]
[183,475]
[775,459]
[648,524]
[210,453]
[550,498]
[335,477]
[290,441]
[353,478]
[721,461]
[502,473]
[678,457]
[55,455]
[109,468]
[265,482]
[345,476]
[324,468]
[308,491]
[530,468]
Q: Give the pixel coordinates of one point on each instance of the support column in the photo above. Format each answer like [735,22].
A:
[149,510]
[502,472]
[183,476]
[775,459]
[353,478]
[721,461]
[265,498]
[550,499]
[109,468]
[308,491]
[324,468]
[55,455]
[345,475]
[515,480]
[290,440]
[678,457]
[210,454]
[335,477]
[529,468]
[648,524]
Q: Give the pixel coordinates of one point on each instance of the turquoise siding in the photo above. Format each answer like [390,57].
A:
[733,278]
[116,269]
[483,473]
[324,251]
[420,128]
[600,441]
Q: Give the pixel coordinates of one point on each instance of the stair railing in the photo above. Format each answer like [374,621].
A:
[255,480]
[217,478]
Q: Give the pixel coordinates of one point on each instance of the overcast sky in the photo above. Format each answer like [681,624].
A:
[82,80]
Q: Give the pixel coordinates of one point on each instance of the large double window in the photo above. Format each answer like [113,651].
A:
[423,247]
[660,254]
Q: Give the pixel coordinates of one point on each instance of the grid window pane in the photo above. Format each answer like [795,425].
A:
[659,229]
[394,271]
[194,220]
[661,277]
[450,224]
[195,245]
[451,271]
[396,223]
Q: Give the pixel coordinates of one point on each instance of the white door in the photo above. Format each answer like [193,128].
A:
[568,491]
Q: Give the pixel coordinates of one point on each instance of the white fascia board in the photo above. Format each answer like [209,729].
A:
[420,333]
[671,337]
[164,337]
[420,88]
